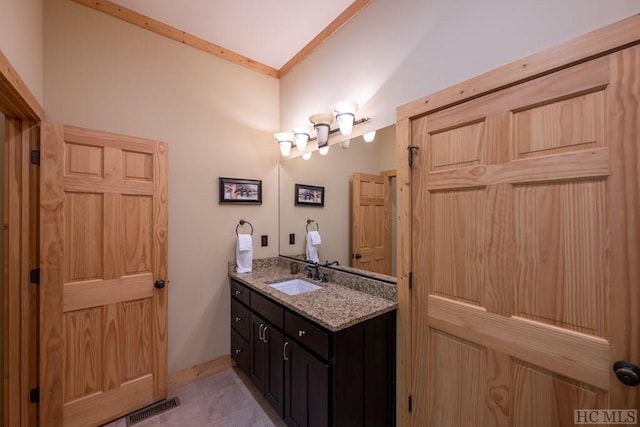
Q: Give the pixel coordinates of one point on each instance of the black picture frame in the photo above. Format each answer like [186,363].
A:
[240,191]
[309,195]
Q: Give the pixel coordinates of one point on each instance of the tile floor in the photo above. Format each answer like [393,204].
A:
[224,399]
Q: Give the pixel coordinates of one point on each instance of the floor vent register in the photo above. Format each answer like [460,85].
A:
[152,410]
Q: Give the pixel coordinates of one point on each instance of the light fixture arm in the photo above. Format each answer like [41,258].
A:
[332,131]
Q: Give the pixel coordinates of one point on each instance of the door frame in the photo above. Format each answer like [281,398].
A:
[389,175]
[20,242]
[601,42]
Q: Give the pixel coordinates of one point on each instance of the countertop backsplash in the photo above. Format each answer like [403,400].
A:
[334,305]
[369,285]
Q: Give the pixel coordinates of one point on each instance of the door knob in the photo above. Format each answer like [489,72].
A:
[159,284]
[627,373]
[358,256]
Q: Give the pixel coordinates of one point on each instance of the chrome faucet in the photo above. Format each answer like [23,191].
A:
[316,274]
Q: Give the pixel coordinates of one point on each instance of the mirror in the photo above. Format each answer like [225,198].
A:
[334,221]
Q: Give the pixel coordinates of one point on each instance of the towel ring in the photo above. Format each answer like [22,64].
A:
[309,221]
[243,222]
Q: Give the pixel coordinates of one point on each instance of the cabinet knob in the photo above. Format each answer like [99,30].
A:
[237,292]
[301,333]
[238,319]
[238,351]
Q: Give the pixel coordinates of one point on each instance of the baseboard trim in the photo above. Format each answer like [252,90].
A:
[197,372]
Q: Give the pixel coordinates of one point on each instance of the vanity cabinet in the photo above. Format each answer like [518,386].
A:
[240,332]
[307,387]
[310,375]
[266,368]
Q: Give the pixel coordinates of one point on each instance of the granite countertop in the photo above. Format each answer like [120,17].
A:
[334,306]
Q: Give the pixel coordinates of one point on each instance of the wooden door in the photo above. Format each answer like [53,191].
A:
[371,223]
[103,228]
[525,250]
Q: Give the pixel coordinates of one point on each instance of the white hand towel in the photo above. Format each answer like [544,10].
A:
[314,236]
[312,250]
[245,243]
[244,253]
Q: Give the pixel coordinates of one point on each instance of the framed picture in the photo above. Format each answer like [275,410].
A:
[309,195]
[241,191]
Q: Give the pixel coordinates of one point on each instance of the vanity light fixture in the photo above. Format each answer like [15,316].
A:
[302,134]
[345,113]
[307,155]
[369,136]
[285,140]
[322,125]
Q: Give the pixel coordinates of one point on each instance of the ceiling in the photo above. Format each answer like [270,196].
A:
[270,36]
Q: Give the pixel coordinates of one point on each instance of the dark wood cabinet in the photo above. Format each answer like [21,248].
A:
[266,366]
[240,351]
[306,402]
[240,326]
[310,375]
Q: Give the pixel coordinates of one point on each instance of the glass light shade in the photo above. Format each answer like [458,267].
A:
[285,140]
[345,113]
[285,148]
[345,144]
[307,155]
[301,134]
[369,136]
[322,132]
[324,149]
[321,123]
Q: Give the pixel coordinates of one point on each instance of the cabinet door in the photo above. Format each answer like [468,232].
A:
[274,370]
[258,350]
[240,351]
[306,388]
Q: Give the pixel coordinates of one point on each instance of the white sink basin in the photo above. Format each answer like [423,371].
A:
[295,286]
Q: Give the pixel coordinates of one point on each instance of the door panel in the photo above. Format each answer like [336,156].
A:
[371,223]
[103,243]
[258,353]
[306,401]
[520,221]
[274,375]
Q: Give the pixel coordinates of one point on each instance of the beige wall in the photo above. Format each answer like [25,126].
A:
[398,50]
[217,118]
[21,40]
[386,143]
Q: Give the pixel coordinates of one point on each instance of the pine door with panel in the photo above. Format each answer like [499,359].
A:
[103,303]
[525,250]
[371,223]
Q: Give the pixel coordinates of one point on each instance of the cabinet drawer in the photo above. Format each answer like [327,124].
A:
[240,351]
[240,292]
[267,309]
[240,319]
[307,334]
